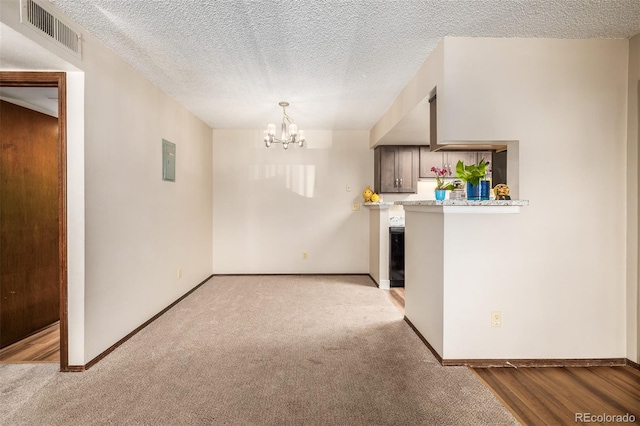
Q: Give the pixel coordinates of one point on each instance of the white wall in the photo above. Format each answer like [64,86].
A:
[563,286]
[430,75]
[633,294]
[137,228]
[379,242]
[565,101]
[425,258]
[270,205]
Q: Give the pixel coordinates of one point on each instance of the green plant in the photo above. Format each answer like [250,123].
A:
[472,173]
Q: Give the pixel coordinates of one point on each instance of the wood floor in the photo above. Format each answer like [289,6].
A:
[43,346]
[565,396]
[396,294]
[555,396]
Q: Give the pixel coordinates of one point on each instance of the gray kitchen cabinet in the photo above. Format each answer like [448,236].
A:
[451,158]
[486,156]
[396,169]
[448,160]
[429,159]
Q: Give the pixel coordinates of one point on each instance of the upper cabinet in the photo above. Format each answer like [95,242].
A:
[428,160]
[448,160]
[396,169]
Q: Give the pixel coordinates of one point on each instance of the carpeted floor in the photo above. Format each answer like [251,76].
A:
[261,350]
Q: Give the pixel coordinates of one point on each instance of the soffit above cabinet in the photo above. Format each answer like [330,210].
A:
[412,129]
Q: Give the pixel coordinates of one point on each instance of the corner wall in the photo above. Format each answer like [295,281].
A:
[633,161]
[271,205]
[430,75]
[129,231]
[565,101]
[139,228]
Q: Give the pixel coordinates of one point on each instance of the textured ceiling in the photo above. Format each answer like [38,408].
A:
[339,63]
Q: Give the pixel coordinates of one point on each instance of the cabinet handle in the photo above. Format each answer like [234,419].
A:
[400,183]
[395,183]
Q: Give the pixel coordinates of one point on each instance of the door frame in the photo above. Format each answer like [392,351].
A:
[59,80]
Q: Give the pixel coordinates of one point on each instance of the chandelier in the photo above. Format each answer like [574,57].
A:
[289,131]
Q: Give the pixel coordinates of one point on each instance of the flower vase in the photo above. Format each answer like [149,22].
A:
[485,189]
[473,191]
[478,192]
[440,194]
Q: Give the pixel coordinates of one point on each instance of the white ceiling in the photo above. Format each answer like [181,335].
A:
[41,99]
[340,63]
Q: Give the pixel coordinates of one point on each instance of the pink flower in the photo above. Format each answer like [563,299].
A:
[440,173]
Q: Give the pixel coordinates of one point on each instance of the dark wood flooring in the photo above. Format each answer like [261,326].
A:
[566,395]
[560,396]
[43,346]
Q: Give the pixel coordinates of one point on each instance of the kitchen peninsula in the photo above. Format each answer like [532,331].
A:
[459,255]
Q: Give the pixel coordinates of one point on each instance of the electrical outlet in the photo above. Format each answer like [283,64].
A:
[496,319]
[348,188]
[305,255]
[355,207]
[179,273]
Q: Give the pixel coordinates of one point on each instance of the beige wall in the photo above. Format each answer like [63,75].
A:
[562,289]
[139,228]
[419,87]
[271,205]
[129,231]
[565,102]
[633,294]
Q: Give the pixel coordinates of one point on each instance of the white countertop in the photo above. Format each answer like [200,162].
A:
[464,203]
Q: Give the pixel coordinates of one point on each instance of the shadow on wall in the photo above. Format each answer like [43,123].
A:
[298,178]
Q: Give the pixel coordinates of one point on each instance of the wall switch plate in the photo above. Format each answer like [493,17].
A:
[348,188]
[179,273]
[496,319]
[305,255]
[355,207]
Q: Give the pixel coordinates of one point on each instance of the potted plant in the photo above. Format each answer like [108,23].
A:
[474,175]
[441,186]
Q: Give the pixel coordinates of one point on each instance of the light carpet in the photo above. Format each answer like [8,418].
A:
[261,350]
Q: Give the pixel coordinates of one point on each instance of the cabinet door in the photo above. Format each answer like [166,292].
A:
[452,158]
[428,160]
[408,164]
[484,155]
[388,166]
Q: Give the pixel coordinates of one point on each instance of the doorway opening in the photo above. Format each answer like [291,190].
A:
[9,290]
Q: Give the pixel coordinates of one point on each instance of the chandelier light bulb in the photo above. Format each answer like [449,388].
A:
[293,129]
[271,129]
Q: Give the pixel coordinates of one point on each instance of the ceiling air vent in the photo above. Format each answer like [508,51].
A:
[36,15]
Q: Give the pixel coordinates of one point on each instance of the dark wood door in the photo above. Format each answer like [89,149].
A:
[407,169]
[388,166]
[29,228]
